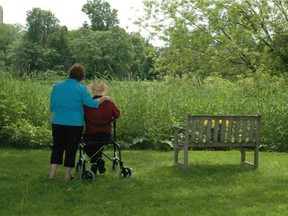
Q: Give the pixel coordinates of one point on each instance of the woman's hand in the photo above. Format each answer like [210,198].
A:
[108,98]
[104,98]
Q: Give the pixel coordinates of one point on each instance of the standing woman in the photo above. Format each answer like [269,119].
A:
[66,104]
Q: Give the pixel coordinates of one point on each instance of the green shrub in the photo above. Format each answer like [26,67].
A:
[24,116]
[149,109]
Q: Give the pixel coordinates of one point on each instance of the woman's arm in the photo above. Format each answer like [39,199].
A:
[52,100]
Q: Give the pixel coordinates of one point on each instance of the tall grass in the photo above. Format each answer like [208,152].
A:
[24,113]
[150,109]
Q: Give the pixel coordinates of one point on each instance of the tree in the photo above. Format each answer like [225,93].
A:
[230,37]
[8,35]
[101,16]
[61,58]
[41,24]
[86,50]
[143,60]
[44,45]
[103,52]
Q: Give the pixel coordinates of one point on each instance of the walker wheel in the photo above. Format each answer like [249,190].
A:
[88,175]
[125,171]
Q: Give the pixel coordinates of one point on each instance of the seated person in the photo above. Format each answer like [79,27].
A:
[101,131]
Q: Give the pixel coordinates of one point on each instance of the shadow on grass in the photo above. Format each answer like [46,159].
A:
[210,170]
[203,175]
[204,170]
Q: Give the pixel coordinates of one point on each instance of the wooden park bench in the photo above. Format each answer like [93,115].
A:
[218,131]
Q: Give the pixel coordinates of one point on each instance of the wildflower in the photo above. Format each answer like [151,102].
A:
[213,123]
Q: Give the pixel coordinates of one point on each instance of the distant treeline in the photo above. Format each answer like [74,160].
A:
[228,39]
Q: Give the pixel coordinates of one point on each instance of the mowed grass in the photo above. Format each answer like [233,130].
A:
[214,184]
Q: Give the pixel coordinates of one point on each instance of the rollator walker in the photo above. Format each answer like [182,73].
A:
[92,148]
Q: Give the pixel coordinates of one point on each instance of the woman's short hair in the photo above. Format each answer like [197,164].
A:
[77,72]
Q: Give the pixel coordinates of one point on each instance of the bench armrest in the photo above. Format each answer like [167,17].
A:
[178,129]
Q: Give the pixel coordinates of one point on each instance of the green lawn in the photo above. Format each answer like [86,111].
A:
[214,184]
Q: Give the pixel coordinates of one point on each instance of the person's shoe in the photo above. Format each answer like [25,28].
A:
[101,165]
[94,168]
[71,178]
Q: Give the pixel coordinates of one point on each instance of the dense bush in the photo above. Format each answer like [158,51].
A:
[150,109]
[24,115]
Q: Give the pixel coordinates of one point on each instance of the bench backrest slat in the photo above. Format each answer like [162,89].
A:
[237,128]
[252,131]
[244,130]
[240,130]
[215,132]
[208,131]
[201,130]
[193,132]
[230,122]
[223,130]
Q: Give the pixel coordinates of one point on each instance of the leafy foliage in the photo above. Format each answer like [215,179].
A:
[41,24]
[227,37]
[104,52]
[103,47]
[23,114]
[101,16]
[8,34]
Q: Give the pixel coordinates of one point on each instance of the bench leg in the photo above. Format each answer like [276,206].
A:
[176,157]
[243,156]
[256,157]
[176,151]
[186,157]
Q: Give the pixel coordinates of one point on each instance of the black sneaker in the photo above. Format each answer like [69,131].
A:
[101,165]
[94,168]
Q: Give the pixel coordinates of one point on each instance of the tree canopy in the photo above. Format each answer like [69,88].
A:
[101,16]
[103,48]
[228,37]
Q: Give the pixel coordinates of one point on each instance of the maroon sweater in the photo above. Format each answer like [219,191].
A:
[104,113]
